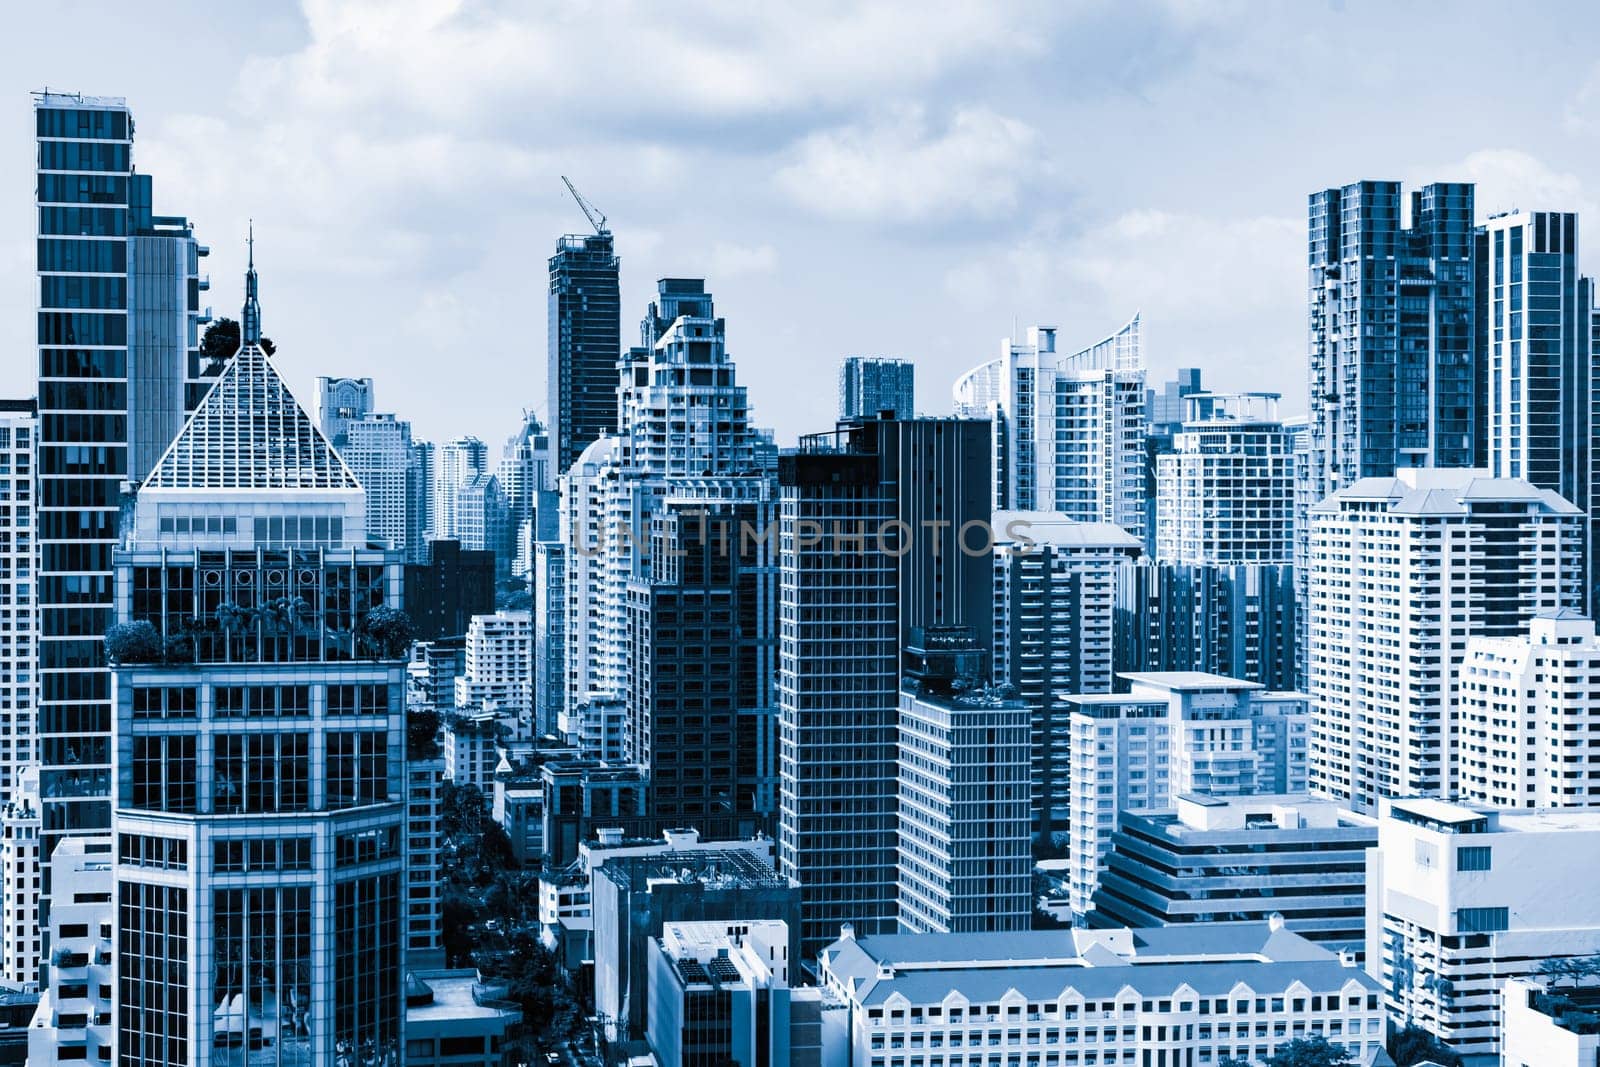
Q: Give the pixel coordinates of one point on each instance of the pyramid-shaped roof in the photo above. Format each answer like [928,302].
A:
[251,433]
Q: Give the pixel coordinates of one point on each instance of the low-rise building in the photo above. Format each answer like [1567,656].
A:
[1462,898]
[1214,859]
[1543,1026]
[1175,996]
[720,993]
[74,1019]
[455,1019]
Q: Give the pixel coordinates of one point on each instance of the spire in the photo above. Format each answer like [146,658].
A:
[250,323]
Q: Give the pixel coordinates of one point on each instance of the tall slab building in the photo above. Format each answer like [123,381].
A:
[118,365]
[584,344]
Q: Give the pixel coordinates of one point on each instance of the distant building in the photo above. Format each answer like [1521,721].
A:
[1054,599]
[471,749]
[634,897]
[1544,1024]
[482,520]
[1179,995]
[424,861]
[1462,898]
[584,343]
[341,401]
[1069,431]
[583,796]
[380,453]
[1240,621]
[720,992]
[498,674]
[457,463]
[420,484]
[445,591]
[870,386]
[1165,409]
[1214,859]
[1524,709]
[1174,733]
[1225,493]
[75,1017]
[456,1019]
[966,824]
[548,584]
[1405,569]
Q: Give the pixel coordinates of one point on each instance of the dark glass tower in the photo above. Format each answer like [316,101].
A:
[118,314]
[585,343]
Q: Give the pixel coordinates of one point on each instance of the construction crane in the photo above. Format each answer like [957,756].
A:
[597,218]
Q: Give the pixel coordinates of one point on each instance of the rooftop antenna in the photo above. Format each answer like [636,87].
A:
[596,217]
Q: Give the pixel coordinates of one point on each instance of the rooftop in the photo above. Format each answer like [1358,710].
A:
[1440,491]
[1058,531]
[712,868]
[1189,681]
[457,995]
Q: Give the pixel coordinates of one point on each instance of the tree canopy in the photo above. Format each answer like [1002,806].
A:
[1315,1051]
[221,340]
[1413,1044]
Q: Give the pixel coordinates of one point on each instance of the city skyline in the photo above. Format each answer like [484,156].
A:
[755,178]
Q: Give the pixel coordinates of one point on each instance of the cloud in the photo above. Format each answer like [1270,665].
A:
[1583,110]
[1508,179]
[737,261]
[901,169]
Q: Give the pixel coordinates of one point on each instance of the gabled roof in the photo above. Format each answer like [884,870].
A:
[250,433]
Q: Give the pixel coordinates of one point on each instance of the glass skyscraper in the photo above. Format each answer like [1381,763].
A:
[585,343]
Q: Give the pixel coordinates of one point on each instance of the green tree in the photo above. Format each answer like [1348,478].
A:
[1413,1044]
[133,642]
[221,341]
[422,733]
[1231,1062]
[1311,1052]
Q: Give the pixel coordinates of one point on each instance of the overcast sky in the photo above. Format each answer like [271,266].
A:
[896,179]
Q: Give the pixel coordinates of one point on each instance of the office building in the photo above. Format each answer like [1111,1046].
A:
[498,675]
[21,874]
[456,1019]
[447,589]
[720,993]
[1069,431]
[965,822]
[1461,898]
[260,815]
[19,620]
[1180,995]
[635,896]
[1544,1024]
[893,503]
[1524,708]
[1392,379]
[1209,859]
[1172,734]
[1165,409]
[1535,322]
[1054,596]
[379,452]
[76,1020]
[1225,493]
[585,341]
[870,386]
[115,355]
[481,521]
[340,402]
[525,470]
[583,796]
[1240,621]
[1406,568]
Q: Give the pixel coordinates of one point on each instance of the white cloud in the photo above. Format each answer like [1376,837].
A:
[1508,179]
[736,260]
[901,169]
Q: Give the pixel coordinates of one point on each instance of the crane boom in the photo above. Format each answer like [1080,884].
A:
[596,217]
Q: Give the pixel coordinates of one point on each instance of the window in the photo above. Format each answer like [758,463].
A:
[1483,920]
[1472,858]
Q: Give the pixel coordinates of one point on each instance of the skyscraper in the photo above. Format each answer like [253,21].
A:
[870,386]
[1393,383]
[260,762]
[1534,327]
[1404,570]
[19,620]
[341,401]
[584,345]
[1069,431]
[107,340]
[420,476]
[1225,493]
[379,450]
[458,463]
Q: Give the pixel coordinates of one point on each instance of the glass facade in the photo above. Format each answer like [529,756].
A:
[585,342]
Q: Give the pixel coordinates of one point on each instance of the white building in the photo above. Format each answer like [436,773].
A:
[498,674]
[341,401]
[471,750]
[1225,493]
[1175,996]
[1069,431]
[1173,732]
[1462,898]
[379,452]
[965,862]
[18,618]
[75,1021]
[1055,599]
[20,885]
[1403,571]
[456,464]
[1525,709]
[1546,1025]
[424,866]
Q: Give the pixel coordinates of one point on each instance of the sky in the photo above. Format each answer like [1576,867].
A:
[917,179]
